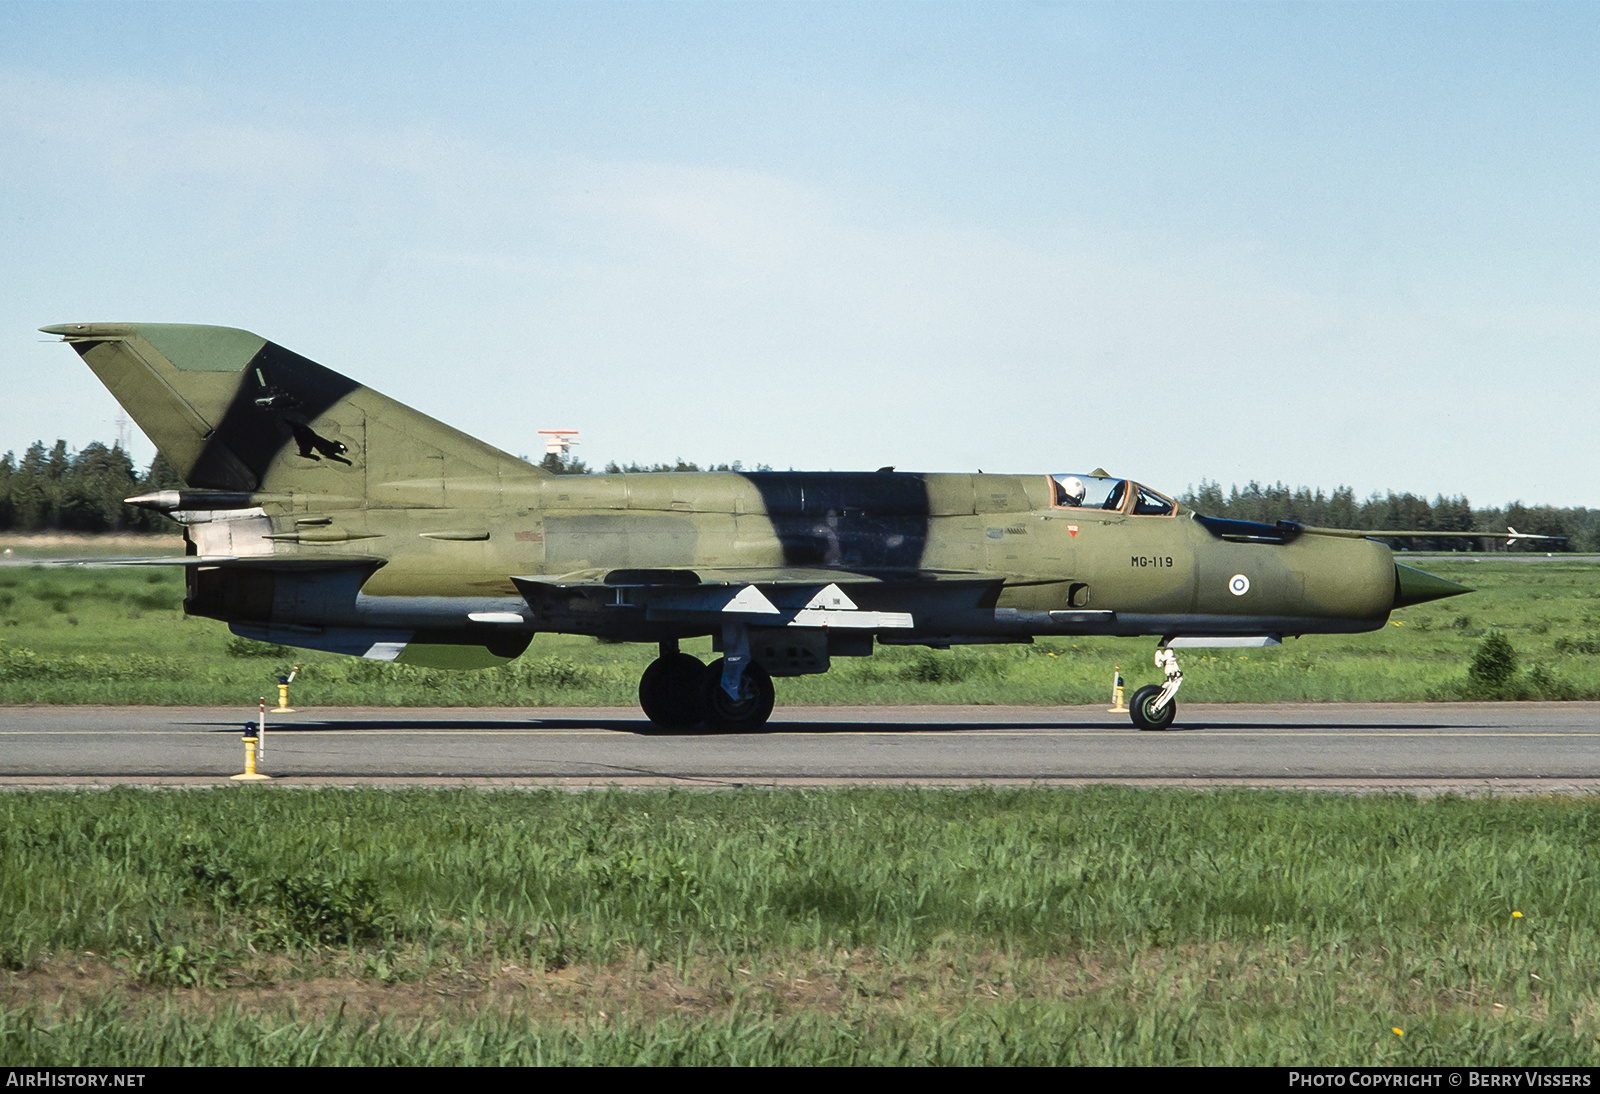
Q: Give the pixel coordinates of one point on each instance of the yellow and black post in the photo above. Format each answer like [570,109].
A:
[1118,706]
[252,738]
[283,706]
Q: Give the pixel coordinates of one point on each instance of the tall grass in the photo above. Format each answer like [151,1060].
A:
[1077,1032]
[119,636]
[1126,925]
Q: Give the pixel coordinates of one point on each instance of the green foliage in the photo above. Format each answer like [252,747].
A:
[1541,683]
[1036,869]
[249,647]
[1170,1026]
[558,464]
[311,907]
[1101,925]
[942,667]
[21,666]
[1494,664]
[132,644]
[680,464]
[14,953]
[79,492]
[321,909]
[562,672]
[173,966]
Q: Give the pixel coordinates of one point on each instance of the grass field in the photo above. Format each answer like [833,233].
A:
[851,926]
[119,636]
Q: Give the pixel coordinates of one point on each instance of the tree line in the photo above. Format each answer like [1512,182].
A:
[61,491]
[56,489]
[558,464]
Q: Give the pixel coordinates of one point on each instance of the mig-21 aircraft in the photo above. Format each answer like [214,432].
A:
[321,514]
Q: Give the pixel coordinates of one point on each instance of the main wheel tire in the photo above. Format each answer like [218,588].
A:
[1143,717]
[745,714]
[670,691]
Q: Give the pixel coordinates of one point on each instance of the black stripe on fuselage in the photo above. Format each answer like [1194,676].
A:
[855,520]
[250,436]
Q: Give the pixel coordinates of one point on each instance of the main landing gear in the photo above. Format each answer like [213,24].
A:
[1152,706]
[731,695]
[671,691]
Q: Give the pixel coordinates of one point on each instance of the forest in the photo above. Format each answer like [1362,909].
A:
[58,490]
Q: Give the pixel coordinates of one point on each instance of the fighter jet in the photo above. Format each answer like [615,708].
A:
[321,514]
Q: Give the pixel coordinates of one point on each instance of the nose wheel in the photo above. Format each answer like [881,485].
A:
[1153,707]
[746,712]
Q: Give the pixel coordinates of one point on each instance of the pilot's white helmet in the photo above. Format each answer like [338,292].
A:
[1075,489]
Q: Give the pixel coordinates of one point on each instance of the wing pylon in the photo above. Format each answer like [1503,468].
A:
[771,598]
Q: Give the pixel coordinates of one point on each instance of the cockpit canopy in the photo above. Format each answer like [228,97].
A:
[1112,495]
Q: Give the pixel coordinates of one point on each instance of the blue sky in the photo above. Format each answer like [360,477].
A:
[1319,243]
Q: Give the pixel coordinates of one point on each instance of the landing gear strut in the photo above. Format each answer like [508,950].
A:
[1153,706]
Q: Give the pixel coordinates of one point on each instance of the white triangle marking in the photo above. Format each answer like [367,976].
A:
[749,599]
[832,599]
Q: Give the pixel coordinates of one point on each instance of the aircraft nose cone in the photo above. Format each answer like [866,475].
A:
[1412,586]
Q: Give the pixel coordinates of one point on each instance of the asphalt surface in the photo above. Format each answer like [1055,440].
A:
[1464,747]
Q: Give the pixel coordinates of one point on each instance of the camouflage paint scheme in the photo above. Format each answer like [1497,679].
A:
[320,513]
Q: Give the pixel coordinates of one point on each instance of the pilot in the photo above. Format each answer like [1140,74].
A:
[1070,491]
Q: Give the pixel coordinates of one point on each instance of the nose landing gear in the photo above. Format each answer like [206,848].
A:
[1153,707]
[743,712]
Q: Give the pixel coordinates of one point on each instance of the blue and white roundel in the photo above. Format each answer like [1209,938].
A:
[1238,584]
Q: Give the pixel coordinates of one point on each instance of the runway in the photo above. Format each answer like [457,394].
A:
[1463,747]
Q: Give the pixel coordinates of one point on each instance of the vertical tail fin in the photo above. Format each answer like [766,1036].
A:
[233,411]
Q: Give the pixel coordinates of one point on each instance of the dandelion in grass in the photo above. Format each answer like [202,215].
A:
[1516,915]
[1397,1031]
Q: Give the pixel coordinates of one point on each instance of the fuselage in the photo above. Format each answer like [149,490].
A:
[972,557]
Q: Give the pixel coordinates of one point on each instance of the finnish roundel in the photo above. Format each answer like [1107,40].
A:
[1238,584]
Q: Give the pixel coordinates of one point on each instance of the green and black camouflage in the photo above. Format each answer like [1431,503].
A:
[320,513]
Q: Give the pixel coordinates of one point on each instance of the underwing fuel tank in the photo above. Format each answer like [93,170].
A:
[1413,586]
